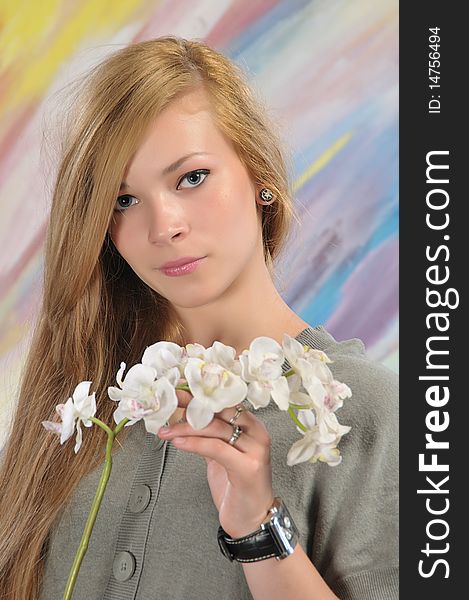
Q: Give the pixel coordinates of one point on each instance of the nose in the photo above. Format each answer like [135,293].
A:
[166,221]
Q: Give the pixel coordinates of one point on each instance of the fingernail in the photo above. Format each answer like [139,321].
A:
[179,441]
[164,430]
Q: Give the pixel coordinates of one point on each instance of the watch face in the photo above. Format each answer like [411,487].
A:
[284,531]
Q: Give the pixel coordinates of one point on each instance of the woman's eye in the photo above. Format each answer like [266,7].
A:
[125,201]
[193,178]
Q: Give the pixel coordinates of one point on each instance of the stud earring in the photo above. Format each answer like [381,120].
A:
[266,195]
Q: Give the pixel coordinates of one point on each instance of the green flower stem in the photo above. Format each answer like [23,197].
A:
[83,547]
[291,412]
[119,426]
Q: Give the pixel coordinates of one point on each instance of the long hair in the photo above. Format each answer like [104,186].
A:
[95,311]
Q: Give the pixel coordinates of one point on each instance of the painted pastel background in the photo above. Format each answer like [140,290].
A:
[328,70]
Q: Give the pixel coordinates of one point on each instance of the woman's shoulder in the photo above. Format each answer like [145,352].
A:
[351,350]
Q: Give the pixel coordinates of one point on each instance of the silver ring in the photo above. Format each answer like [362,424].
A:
[244,405]
[239,410]
[237,431]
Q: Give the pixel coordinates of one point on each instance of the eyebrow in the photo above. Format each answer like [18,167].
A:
[170,168]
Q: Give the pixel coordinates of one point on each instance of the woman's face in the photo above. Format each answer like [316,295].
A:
[204,207]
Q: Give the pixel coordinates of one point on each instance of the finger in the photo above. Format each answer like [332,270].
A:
[253,426]
[233,412]
[216,429]
[182,415]
[183,398]
[219,451]
[249,423]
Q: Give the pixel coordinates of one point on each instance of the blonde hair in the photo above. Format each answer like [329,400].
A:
[96,311]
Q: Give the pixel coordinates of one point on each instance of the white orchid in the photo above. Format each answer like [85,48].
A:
[225,356]
[142,396]
[320,440]
[213,388]
[314,446]
[294,350]
[336,392]
[164,356]
[311,364]
[317,378]
[327,420]
[261,367]
[217,353]
[298,394]
[218,380]
[328,394]
[313,393]
[313,396]
[195,350]
[311,449]
[78,409]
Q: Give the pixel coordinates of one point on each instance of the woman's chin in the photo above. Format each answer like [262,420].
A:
[192,298]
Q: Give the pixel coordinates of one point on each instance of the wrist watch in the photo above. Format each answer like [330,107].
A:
[276,537]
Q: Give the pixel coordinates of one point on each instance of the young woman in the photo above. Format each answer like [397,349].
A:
[170,159]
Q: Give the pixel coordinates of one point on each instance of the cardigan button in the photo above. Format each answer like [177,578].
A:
[123,566]
[139,498]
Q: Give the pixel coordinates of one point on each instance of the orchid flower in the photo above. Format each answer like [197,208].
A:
[311,364]
[217,353]
[78,409]
[213,388]
[262,369]
[336,392]
[142,396]
[328,394]
[223,355]
[195,350]
[317,378]
[218,380]
[164,356]
[320,441]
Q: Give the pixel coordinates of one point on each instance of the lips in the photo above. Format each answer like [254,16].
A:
[179,262]
[183,269]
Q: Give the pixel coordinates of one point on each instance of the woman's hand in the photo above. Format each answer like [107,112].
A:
[239,475]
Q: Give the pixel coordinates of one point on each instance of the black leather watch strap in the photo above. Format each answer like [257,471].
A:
[258,545]
[276,537]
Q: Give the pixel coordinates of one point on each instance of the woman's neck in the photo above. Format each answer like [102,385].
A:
[240,316]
